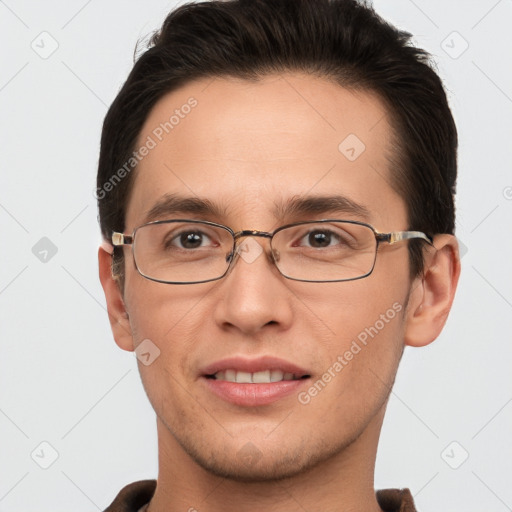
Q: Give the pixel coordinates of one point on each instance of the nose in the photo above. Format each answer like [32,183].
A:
[253,294]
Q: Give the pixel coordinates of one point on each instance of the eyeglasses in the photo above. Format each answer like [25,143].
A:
[187,251]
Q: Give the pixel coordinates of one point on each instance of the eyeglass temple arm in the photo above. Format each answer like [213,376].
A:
[397,236]
[118,239]
[121,239]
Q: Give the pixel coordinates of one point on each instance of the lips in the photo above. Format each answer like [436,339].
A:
[253,382]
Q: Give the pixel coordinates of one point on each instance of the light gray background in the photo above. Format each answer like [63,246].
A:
[62,378]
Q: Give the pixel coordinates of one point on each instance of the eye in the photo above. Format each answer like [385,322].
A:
[321,238]
[187,239]
[318,238]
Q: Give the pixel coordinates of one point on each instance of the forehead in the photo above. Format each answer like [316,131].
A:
[250,146]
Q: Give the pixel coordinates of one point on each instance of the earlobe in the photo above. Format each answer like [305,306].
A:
[432,293]
[117,313]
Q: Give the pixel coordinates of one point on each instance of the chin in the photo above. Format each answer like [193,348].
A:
[251,465]
[264,469]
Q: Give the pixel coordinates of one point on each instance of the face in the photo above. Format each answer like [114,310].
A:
[248,147]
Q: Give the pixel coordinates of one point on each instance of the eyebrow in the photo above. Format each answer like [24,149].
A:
[316,205]
[173,204]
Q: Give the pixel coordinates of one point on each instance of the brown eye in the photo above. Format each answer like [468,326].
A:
[319,239]
[322,238]
[187,239]
[191,240]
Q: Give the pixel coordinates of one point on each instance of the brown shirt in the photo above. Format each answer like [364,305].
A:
[135,496]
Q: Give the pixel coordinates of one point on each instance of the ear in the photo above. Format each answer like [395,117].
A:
[432,293]
[117,313]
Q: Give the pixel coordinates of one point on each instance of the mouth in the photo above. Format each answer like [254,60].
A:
[247,382]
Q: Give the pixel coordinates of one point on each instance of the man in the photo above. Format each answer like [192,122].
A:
[275,190]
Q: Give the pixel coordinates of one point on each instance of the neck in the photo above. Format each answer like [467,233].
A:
[342,483]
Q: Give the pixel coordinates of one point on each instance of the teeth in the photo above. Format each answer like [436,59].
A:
[243,377]
[263,377]
[276,375]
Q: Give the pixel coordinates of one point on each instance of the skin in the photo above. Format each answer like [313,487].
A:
[246,145]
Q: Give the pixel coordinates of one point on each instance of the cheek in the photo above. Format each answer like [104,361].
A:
[372,353]
[157,308]
[171,323]
[359,370]
[170,318]
[347,309]
[364,320]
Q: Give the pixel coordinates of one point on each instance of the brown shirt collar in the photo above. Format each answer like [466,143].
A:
[134,496]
